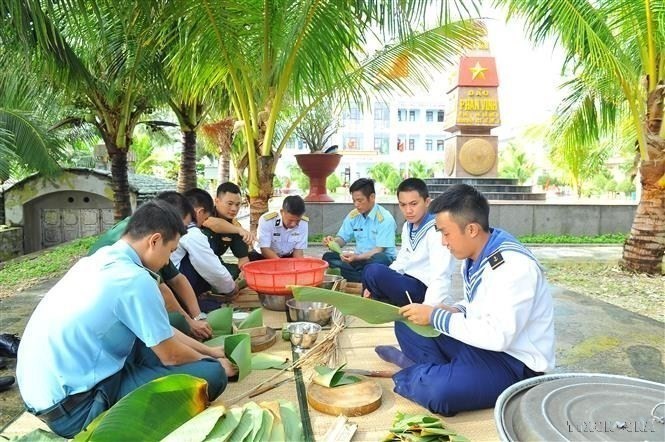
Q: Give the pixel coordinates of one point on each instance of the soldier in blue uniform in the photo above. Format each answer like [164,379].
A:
[371,227]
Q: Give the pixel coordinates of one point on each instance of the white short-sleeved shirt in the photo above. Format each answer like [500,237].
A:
[85,327]
[272,234]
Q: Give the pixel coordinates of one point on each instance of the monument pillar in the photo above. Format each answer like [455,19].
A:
[472,112]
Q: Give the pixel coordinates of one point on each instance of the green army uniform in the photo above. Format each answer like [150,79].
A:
[221,242]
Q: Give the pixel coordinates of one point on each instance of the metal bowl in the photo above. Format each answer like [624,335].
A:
[274,302]
[329,281]
[318,312]
[303,334]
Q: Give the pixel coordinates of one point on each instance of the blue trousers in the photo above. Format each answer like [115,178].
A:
[142,366]
[449,376]
[353,272]
[386,285]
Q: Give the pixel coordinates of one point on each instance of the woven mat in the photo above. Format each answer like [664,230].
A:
[357,342]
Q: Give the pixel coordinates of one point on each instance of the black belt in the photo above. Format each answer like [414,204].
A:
[64,407]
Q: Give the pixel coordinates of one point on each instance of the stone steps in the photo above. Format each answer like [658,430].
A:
[502,189]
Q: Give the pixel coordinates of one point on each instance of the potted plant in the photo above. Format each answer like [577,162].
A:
[316,129]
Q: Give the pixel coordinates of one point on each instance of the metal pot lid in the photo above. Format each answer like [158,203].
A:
[581,407]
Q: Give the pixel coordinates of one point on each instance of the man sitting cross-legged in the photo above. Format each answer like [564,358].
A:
[373,229]
[196,260]
[423,267]
[102,331]
[501,332]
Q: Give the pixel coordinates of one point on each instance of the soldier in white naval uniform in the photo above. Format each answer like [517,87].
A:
[283,234]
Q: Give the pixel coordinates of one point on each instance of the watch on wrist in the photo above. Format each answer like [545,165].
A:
[201,316]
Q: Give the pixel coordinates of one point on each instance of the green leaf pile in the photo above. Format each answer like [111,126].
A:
[421,428]
[368,310]
[266,421]
[333,377]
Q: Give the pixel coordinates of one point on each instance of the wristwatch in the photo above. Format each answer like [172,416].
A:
[201,316]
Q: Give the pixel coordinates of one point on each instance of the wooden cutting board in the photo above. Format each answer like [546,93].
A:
[350,400]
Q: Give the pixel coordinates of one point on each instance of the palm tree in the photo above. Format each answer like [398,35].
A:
[616,51]
[272,54]
[24,136]
[99,55]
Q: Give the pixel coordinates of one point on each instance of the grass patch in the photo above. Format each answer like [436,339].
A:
[52,263]
[611,238]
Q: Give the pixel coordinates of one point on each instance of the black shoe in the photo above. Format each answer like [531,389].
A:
[9,345]
[6,382]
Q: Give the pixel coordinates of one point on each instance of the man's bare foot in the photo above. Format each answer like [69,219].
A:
[229,368]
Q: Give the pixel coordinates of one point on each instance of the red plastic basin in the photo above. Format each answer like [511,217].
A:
[272,276]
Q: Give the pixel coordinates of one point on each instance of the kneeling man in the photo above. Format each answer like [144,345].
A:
[102,331]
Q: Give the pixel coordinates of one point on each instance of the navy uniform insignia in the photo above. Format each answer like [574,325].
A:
[354,213]
[278,221]
[305,218]
[226,239]
[495,260]
[269,215]
[379,217]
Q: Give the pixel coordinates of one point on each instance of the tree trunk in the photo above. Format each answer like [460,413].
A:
[187,172]
[259,205]
[644,248]
[119,183]
[224,166]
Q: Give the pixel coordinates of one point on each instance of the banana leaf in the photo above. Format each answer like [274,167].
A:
[238,349]
[39,435]
[226,426]
[256,414]
[85,435]
[404,422]
[221,321]
[439,431]
[244,427]
[265,427]
[369,310]
[217,341]
[291,421]
[153,410]
[241,282]
[458,438]
[335,247]
[265,361]
[333,377]
[334,271]
[277,431]
[255,319]
[197,428]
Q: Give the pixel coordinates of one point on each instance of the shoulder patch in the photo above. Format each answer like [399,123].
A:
[269,215]
[354,213]
[495,260]
[235,222]
[379,217]
[305,218]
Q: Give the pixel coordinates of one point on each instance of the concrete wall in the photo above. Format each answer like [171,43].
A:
[11,243]
[517,218]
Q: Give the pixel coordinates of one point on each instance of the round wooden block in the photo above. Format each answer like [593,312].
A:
[350,400]
[262,342]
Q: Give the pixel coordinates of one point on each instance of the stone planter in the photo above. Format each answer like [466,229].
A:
[317,167]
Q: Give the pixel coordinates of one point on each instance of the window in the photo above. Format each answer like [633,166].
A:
[401,115]
[429,116]
[439,116]
[353,113]
[381,111]
[412,115]
[412,144]
[353,142]
[428,144]
[381,144]
[439,145]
